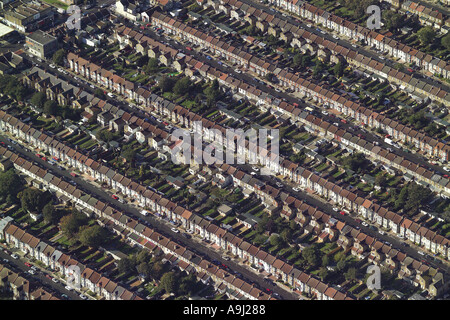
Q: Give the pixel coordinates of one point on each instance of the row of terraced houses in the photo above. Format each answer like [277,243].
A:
[272,194]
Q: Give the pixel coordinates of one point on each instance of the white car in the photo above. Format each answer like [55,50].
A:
[253,173]
[109,94]
[446,169]
[82,296]
[92,86]
[421,253]
[381,232]
[52,66]
[335,209]
[15,256]
[238,71]
[144,213]
[279,185]
[365,224]
[309,25]
[255,168]
[335,37]
[68,288]
[296,189]
[31,271]
[55,280]
[174,230]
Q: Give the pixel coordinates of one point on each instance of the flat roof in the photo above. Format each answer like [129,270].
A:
[4,30]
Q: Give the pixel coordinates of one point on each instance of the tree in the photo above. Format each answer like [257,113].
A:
[446,216]
[286,235]
[212,92]
[351,274]
[168,282]
[188,285]
[38,99]
[341,264]
[144,269]
[292,225]
[445,41]
[306,60]
[50,108]
[356,162]
[31,200]
[325,261]
[58,57]
[143,256]
[152,66]
[269,76]
[318,68]
[310,254]
[275,240]
[323,273]
[166,84]
[392,20]
[50,213]
[297,60]
[339,69]
[380,180]
[99,93]
[182,86]
[426,35]
[93,236]
[10,184]
[157,269]
[105,135]
[70,224]
[129,153]
[125,265]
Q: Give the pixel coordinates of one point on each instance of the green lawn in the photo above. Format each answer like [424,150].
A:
[57,3]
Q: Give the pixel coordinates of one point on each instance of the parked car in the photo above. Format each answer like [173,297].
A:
[174,230]
[27,264]
[114,197]
[365,224]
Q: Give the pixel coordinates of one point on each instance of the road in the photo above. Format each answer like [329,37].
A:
[342,42]
[18,265]
[349,220]
[369,136]
[157,224]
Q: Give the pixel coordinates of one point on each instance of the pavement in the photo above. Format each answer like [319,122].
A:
[40,277]
[162,226]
